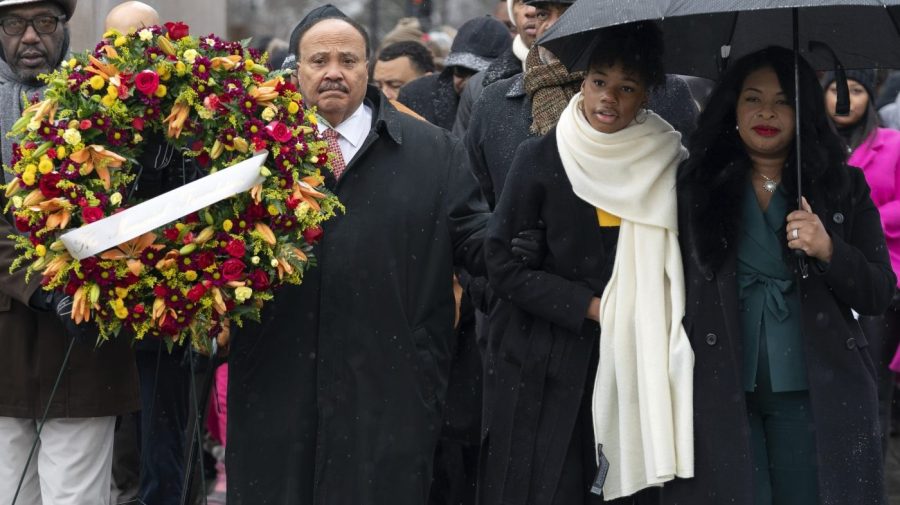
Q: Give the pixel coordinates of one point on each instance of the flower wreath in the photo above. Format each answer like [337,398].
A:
[214,101]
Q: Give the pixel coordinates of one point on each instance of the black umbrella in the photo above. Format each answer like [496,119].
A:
[701,36]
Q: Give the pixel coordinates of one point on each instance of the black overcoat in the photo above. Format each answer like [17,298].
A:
[841,374]
[336,397]
[433,97]
[547,355]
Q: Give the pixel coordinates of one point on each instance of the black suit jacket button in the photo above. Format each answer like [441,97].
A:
[711,339]
[838,217]
[851,343]
[709,275]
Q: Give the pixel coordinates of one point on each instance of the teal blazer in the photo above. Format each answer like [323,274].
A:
[770,302]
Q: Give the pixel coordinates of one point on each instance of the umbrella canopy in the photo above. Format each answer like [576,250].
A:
[701,35]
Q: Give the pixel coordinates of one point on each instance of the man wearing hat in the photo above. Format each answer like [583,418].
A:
[435,97]
[73,459]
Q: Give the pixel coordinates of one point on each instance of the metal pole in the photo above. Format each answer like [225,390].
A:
[795,13]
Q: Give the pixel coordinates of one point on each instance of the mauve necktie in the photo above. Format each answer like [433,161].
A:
[337,161]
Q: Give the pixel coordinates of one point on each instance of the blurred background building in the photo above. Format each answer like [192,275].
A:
[239,19]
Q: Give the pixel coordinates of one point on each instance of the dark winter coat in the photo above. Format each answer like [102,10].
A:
[432,97]
[547,355]
[96,383]
[336,397]
[840,372]
[505,66]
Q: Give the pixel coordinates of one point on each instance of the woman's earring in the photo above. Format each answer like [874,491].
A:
[641,116]
[737,128]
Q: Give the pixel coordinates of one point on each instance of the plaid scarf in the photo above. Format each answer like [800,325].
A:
[550,86]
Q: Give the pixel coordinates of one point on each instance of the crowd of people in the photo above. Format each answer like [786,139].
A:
[550,286]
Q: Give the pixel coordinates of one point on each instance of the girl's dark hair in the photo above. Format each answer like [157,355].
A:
[866,126]
[717,154]
[637,46]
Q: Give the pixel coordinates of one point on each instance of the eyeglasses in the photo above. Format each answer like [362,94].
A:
[41,24]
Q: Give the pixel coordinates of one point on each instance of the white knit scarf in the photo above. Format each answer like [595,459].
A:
[643,393]
[520,50]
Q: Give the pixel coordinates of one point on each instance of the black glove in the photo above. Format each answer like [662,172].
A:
[60,304]
[531,246]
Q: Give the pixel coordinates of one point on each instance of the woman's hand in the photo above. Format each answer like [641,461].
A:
[806,232]
[593,312]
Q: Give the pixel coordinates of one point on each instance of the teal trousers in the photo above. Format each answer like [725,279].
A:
[783,441]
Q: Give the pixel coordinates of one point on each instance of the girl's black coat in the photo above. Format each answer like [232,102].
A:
[544,361]
[841,374]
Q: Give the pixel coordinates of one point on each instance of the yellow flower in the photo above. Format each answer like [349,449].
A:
[72,136]
[273,211]
[112,32]
[243,293]
[268,114]
[226,225]
[164,71]
[190,275]
[120,41]
[72,62]
[180,68]
[293,107]
[160,91]
[190,56]
[108,100]
[28,179]
[119,308]
[40,250]
[112,90]
[97,82]
[45,166]
[61,152]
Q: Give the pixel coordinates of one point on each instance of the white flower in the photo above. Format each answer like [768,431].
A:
[72,136]
[145,34]
[243,293]
[274,261]
[211,41]
[115,198]
[268,113]
[255,260]
[190,55]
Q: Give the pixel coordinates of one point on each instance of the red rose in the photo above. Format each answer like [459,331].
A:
[211,102]
[48,184]
[196,293]
[91,214]
[139,308]
[236,248]
[259,280]
[138,123]
[146,81]
[171,234]
[204,259]
[22,224]
[177,30]
[84,124]
[232,269]
[313,235]
[278,131]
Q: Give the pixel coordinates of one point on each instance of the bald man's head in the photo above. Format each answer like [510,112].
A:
[131,15]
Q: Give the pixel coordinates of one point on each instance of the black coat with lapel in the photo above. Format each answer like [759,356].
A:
[840,372]
[433,97]
[547,355]
[336,397]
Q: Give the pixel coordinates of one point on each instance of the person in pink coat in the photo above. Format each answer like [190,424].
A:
[876,151]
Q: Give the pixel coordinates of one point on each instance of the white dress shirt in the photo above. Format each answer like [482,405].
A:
[352,132]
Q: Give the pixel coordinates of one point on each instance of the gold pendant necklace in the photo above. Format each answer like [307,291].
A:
[770,184]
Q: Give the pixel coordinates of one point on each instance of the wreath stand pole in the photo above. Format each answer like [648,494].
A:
[195,423]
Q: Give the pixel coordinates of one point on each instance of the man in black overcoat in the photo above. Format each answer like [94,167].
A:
[335,397]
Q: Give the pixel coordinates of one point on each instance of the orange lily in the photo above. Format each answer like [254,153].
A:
[56,265]
[225,62]
[255,193]
[110,51]
[81,308]
[104,70]
[263,94]
[131,251]
[168,261]
[176,119]
[94,157]
[266,233]
[41,109]
[303,191]
[33,198]
[218,301]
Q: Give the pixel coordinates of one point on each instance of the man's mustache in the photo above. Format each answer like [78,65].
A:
[333,86]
